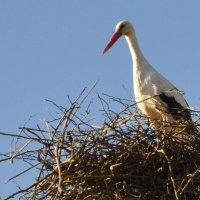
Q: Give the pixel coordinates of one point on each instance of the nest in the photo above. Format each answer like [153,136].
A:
[122,159]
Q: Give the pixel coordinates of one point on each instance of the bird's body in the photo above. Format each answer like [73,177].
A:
[156,97]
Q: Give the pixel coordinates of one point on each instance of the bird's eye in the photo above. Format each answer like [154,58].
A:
[122,26]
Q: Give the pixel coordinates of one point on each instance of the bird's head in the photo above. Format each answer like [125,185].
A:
[122,28]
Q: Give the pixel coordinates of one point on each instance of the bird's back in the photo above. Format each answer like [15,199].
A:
[157,98]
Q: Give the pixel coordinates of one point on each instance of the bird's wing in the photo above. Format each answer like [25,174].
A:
[176,105]
[170,97]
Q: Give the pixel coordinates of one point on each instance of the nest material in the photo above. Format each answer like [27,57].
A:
[124,159]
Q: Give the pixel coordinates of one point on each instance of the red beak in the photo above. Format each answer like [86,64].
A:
[114,38]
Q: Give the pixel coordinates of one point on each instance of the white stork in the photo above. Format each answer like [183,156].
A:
[156,97]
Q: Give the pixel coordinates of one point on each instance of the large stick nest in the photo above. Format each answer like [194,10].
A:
[124,158]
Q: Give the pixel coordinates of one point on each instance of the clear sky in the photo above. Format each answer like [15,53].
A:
[51,49]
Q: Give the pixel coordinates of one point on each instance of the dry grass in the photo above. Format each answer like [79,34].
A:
[123,159]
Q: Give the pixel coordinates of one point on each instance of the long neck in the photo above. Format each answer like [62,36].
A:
[140,64]
[134,48]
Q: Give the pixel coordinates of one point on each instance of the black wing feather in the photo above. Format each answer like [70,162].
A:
[175,108]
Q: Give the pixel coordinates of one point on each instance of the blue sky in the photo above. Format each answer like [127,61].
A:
[51,49]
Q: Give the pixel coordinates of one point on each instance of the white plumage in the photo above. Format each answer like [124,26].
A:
[156,97]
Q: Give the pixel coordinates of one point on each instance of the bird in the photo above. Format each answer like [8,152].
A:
[155,96]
